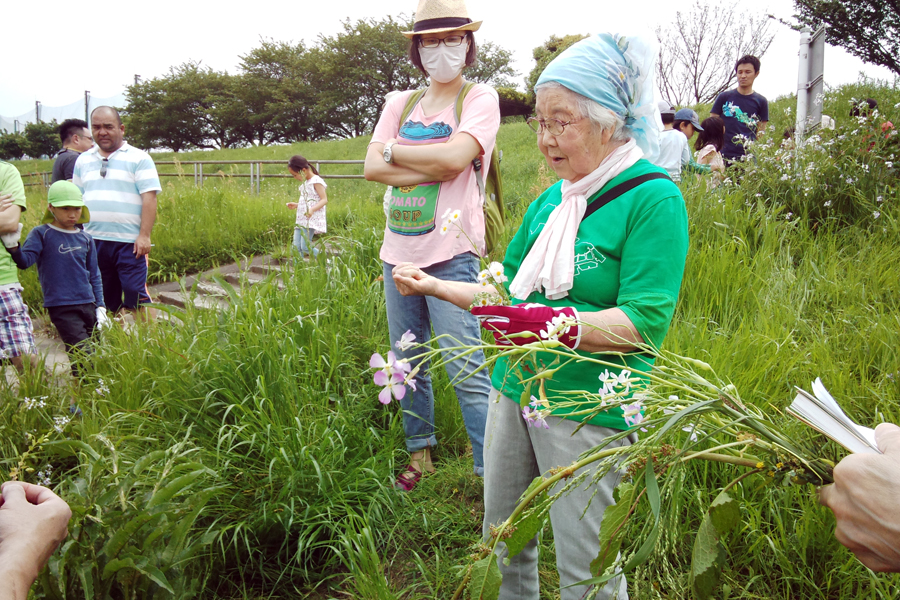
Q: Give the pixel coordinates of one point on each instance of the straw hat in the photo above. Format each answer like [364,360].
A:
[436,16]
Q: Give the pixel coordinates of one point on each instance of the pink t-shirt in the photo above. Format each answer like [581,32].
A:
[413,231]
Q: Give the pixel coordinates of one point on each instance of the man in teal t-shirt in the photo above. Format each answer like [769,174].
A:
[16,331]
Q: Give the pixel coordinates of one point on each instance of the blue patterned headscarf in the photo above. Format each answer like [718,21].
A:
[616,71]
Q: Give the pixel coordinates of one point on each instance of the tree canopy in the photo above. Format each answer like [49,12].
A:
[285,92]
[868,29]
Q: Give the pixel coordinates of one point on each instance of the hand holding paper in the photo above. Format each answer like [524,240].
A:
[864,499]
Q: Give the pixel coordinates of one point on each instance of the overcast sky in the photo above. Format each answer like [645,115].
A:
[107,44]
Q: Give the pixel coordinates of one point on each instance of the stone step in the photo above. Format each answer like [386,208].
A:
[251,278]
[211,288]
[183,300]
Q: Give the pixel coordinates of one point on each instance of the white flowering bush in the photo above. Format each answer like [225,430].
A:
[842,175]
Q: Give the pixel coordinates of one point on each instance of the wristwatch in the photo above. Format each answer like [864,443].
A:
[388,158]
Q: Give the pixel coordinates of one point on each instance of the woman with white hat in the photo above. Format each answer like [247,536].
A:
[425,149]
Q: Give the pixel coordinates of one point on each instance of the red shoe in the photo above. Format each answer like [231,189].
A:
[406,482]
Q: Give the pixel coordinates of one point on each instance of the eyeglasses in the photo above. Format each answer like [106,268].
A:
[554,126]
[451,40]
[103,167]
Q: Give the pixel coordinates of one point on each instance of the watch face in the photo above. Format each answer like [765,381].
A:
[387,154]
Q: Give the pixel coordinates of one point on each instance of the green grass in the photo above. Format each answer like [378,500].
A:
[271,398]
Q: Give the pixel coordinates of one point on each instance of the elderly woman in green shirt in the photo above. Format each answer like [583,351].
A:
[603,248]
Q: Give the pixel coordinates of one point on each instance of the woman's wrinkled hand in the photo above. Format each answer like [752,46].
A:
[413,281]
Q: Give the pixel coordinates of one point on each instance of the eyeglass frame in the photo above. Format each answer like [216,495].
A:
[462,38]
[543,126]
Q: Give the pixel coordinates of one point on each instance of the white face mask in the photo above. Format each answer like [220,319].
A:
[442,63]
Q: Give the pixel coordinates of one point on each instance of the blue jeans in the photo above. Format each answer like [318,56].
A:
[420,314]
[303,241]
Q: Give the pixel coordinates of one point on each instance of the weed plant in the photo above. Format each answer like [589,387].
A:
[244,454]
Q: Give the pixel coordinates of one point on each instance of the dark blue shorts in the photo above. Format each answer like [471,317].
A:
[124,275]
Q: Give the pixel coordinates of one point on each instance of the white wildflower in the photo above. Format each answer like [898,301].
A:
[496,271]
[32,403]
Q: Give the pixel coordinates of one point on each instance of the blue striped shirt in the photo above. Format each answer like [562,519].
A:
[115,200]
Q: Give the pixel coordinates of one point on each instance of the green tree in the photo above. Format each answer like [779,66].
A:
[174,111]
[275,92]
[493,66]
[42,139]
[12,146]
[868,29]
[544,54]
[355,68]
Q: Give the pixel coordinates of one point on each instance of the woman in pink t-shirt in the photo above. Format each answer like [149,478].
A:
[428,160]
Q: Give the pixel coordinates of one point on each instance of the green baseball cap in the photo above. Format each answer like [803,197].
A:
[65,193]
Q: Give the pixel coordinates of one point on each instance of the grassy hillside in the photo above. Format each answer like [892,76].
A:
[245,454]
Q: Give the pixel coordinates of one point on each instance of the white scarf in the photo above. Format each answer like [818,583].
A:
[550,264]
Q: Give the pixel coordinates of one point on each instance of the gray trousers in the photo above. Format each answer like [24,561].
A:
[514,455]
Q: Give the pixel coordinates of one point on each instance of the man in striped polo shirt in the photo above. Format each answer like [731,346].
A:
[119,183]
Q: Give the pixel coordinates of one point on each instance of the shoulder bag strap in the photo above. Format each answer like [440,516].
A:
[624,187]
[411,103]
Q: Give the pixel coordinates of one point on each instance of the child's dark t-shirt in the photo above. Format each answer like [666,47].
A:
[67,265]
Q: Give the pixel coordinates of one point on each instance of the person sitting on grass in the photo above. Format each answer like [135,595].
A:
[67,268]
[311,207]
[687,122]
[709,147]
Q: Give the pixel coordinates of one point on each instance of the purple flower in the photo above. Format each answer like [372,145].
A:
[534,418]
[632,414]
[406,341]
[391,376]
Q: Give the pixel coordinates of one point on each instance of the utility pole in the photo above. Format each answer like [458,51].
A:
[87,102]
[16,126]
[137,80]
[37,111]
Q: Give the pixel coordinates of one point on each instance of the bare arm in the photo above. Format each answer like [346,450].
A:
[761,127]
[712,114]
[148,218]
[445,161]
[608,330]
[323,199]
[9,217]
[391,174]
[413,281]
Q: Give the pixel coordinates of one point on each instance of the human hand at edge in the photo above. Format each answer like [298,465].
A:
[5,201]
[292,205]
[33,522]
[864,500]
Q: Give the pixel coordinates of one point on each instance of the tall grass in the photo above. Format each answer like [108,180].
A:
[267,406]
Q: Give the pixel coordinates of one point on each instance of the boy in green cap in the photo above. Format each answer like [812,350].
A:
[67,268]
